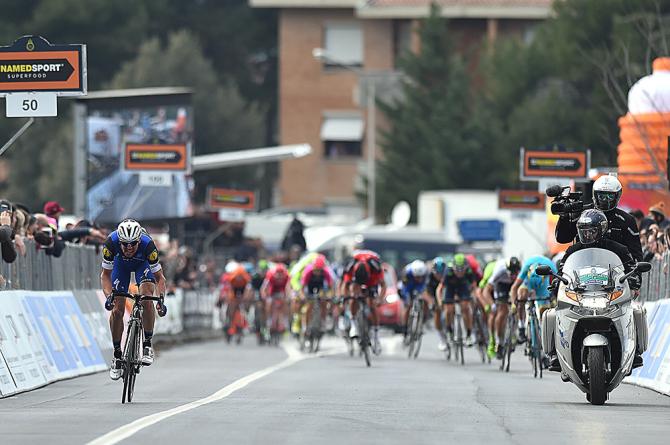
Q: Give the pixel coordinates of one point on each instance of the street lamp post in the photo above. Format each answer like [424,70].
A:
[371,130]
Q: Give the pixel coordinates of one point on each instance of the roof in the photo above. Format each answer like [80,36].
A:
[512,9]
[526,9]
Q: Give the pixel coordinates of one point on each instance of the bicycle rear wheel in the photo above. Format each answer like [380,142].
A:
[364,334]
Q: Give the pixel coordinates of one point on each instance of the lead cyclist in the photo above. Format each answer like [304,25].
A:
[129,249]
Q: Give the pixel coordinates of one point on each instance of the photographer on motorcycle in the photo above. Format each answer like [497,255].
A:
[622,227]
[592,226]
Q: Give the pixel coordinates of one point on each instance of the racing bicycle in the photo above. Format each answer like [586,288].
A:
[131,359]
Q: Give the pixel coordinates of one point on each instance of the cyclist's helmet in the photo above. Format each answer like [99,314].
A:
[418,269]
[439,265]
[263,266]
[239,277]
[279,272]
[129,231]
[606,193]
[591,226]
[361,273]
[319,263]
[513,265]
[459,262]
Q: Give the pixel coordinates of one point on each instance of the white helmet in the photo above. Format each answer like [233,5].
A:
[606,193]
[129,231]
[418,268]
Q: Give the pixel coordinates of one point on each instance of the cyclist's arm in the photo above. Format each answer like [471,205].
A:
[264,288]
[438,293]
[382,290]
[160,281]
[108,253]
[488,292]
[106,281]
[515,288]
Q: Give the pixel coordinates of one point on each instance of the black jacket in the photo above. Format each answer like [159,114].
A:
[622,228]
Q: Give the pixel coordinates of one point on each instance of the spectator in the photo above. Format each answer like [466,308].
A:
[639,217]
[53,210]
[656,216]
[7,232]
[294,235]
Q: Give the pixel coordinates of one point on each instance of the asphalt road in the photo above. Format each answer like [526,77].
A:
[328,399]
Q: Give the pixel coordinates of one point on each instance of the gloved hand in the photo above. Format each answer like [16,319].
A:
[513,308]
[161,308]
[109,302]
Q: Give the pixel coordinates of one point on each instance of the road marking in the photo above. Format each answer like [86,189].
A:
[125,431]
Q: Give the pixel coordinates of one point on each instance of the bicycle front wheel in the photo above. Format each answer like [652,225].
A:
[130,358]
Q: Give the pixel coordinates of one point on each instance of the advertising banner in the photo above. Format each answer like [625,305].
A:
[156,157]
[32,64]
[221,198]
[126,138]
[520,200]
[16,347]
[554,164]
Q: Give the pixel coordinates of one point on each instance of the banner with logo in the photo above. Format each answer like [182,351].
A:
[129,137]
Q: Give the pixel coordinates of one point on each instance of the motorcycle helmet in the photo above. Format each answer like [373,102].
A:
[606,193]
[591,226]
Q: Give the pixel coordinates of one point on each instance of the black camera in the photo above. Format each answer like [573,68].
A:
[565,201]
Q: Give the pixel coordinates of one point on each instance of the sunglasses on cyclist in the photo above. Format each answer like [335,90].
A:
[129,245]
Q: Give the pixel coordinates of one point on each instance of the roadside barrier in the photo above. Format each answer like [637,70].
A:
[656,283]
[53,324]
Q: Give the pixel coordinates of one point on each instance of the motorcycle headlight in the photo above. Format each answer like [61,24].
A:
[595,302]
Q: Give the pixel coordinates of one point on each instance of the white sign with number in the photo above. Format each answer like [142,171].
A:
[31,105]
[156,179]
[231,215]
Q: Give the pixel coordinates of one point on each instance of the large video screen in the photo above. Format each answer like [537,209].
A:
[162,126]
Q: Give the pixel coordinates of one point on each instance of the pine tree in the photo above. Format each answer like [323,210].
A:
[436,139]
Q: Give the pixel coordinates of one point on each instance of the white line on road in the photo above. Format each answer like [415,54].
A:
[125,431]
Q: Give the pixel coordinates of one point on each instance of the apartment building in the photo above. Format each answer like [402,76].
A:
[320,101]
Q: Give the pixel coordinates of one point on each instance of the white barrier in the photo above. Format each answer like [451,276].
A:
[44,337]
[655,374]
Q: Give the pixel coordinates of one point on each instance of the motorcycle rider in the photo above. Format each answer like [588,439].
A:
[591,229]
[622,226]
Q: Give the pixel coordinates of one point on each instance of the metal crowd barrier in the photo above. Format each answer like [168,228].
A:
[656,283]
[199,309]
[77,268]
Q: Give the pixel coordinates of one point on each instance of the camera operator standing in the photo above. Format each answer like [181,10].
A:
[622,227]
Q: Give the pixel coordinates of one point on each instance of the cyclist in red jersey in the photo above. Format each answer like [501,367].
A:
[365,271]
[274,291]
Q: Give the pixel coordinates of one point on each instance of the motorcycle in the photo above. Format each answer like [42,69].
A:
[595,331]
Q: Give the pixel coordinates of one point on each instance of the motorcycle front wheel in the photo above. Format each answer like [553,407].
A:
[597,383]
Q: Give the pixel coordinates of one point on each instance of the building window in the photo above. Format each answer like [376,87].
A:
[529,34]
[343,42]
[342,136]
[402,39]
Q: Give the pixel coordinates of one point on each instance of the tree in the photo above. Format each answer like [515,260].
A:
[436,138]
[223,119]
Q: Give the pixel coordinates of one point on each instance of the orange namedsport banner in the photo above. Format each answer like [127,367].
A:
[33,65]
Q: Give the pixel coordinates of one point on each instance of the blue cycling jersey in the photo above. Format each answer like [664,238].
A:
[410,284]
[144,263]
[537,283]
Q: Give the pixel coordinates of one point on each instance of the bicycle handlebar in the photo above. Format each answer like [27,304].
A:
[136,297]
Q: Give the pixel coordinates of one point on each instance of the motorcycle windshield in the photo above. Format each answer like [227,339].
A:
[589,269]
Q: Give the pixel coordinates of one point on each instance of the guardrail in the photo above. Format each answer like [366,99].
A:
[656,283]
[77,268]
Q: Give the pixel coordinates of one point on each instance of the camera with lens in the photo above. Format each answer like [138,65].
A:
[565,201]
